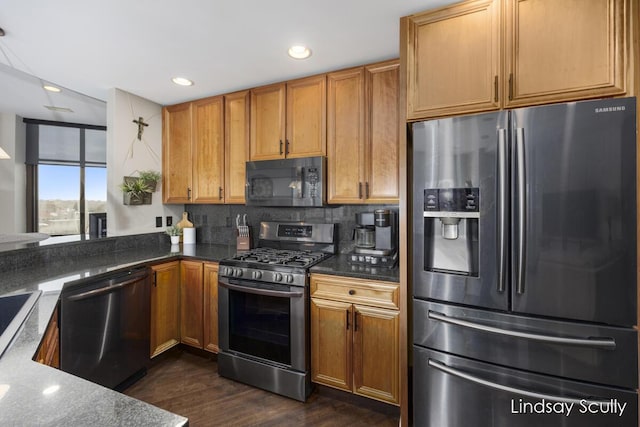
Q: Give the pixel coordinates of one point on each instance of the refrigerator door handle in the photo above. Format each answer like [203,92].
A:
[604,343]
[533,394]
[502,209]
[522,205]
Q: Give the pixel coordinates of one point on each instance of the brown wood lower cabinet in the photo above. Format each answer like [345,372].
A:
[355,343]
[49,351]
[184,306]
[165,307]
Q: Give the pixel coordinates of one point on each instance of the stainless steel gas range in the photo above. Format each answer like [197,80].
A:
[263,307]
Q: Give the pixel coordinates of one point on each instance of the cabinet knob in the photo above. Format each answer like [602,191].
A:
[352,292]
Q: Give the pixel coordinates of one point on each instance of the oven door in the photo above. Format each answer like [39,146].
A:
[264,321]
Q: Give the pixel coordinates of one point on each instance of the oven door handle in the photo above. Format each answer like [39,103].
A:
[266,292]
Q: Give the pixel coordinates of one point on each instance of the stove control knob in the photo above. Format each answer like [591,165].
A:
[277,277]
[227,271]
[237,272]
[289,278]
[257,274]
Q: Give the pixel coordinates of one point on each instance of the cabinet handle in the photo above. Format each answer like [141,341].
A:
[510,86]
[366,190]
[220,193]
[188,193]
[347,319]
[495,89]
[155,277]
[359,190]
[355,321]
[281,147]
[286,148]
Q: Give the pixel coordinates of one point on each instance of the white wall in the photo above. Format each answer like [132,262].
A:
[13,175]
[126,155]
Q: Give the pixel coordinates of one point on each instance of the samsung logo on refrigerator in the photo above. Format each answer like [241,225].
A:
[610,109]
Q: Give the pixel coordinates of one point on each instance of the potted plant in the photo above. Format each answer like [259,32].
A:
[174,232]
[135,192]
[151,178]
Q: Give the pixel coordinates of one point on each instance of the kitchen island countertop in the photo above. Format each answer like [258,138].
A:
[38,395]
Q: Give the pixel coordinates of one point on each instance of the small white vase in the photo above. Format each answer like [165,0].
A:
[175,240]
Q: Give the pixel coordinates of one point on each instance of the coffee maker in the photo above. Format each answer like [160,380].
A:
[376,239]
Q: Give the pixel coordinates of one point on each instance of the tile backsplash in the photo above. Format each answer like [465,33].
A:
[216,223]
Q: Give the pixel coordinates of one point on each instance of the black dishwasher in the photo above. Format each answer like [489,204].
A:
[105,327]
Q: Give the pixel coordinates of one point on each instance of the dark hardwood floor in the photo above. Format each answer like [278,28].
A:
[187,383]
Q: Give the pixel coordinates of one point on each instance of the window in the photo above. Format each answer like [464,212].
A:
[67,176]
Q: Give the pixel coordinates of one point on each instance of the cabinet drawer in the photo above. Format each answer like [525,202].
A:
[354,290]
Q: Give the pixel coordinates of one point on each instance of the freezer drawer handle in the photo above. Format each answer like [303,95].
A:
[456,373]
[604,343]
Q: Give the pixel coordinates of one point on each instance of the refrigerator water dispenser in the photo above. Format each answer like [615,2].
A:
[451,230]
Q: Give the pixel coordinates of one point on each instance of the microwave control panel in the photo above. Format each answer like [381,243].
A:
[313,179]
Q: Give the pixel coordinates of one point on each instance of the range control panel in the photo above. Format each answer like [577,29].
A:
[449,200]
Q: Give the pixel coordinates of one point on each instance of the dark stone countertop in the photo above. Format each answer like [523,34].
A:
[32,394]
[339,266]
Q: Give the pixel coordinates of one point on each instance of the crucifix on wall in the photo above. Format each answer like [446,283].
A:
[141,125]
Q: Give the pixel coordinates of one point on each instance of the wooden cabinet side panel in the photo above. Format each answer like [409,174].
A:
[210,319]
[453,58]
[376,345]
[49,350]
[558,51]
[208,150]
[165,307]
[307,117]
[268,122]
[331,343]
[345,136]
[191,303]
[176,158]
[237,131]
[383,143]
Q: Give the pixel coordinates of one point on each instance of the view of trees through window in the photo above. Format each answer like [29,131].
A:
[59,198]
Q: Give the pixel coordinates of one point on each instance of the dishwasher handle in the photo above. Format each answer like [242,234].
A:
[113,285]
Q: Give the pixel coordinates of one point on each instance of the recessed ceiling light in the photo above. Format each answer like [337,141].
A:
[182,81]
[51,88]
[299,52]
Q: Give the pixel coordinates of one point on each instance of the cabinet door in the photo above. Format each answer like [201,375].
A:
[382,142]
[345,136]
[191,303]
[268,122]
[208,150]
[176,156]
[165,307]
[49,351]
[236,145]
[210,319]
[306,117]
[331,343]
[453,59]
[376,350]
[558,51]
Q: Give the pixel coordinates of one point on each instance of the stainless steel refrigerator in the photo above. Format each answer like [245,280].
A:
[524,267]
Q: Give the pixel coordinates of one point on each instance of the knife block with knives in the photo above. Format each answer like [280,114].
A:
[243,236]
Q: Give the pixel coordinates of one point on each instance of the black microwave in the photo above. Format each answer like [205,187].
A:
[286,182]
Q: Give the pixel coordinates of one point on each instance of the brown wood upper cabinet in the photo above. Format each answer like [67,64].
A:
[362,135]
[196,141]
[289,119]
[553,51]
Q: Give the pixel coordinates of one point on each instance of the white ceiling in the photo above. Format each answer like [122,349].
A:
[138,46]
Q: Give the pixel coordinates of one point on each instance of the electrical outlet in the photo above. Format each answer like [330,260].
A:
[169,221]
[158,221]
